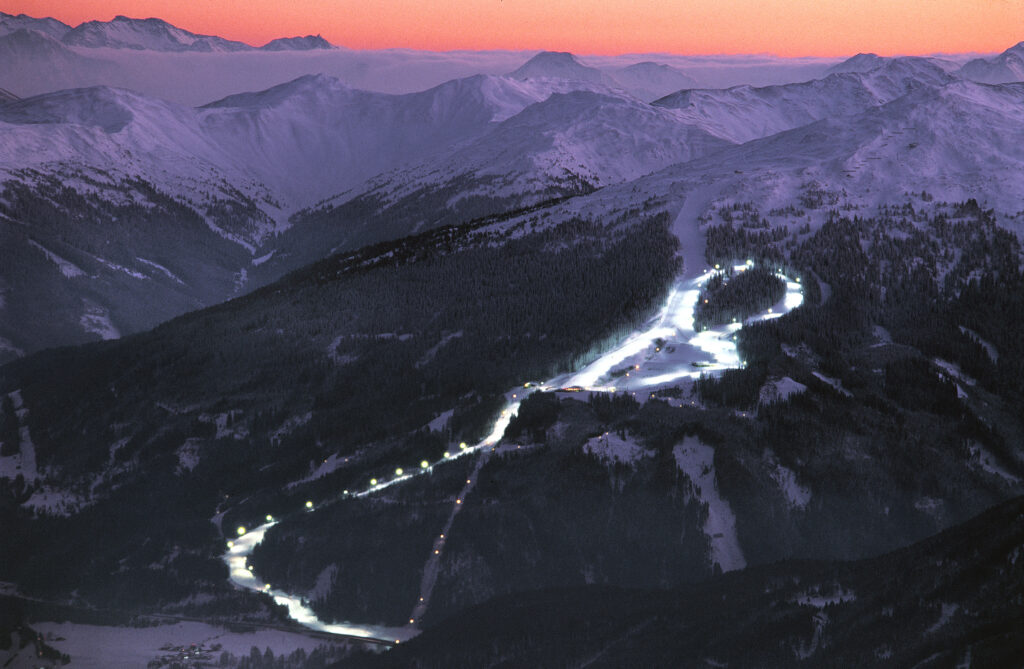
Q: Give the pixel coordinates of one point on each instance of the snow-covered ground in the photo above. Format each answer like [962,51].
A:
[797,495]
[835,383]
[982,458]
[22,463]
[96,319]
[102,647]
[697,461]
[669,349]
[779,390]
[239,550]
[66,267]
[993,353]
[613,449]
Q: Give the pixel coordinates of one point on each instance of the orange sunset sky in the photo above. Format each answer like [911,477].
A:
[783,27]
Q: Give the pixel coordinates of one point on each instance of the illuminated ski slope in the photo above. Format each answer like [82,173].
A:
[666,350]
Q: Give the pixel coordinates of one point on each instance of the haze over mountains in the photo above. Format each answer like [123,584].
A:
[154,57]
[305,285]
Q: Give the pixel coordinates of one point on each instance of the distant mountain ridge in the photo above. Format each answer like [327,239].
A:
[307,43]
[151,34]
[646,80]
[48,26]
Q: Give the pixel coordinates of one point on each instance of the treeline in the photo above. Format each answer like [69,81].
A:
[380,215]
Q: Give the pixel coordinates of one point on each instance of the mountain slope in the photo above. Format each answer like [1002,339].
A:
[237,165]
[862,62]
[288,135]
[744,113]
[560,65]
[115,216]
[969,133]
[567,144]
[1004,68]
[374,329]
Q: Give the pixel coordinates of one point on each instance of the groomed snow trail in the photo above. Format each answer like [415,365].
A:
[664,351]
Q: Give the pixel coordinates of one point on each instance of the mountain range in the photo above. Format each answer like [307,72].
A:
[282,174]
[267,309]
[151,34]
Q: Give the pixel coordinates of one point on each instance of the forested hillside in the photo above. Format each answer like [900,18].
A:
[944,601]
[138,441]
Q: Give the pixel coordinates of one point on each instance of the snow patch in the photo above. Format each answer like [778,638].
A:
[327,466]
[121,268]
[779,390]
[441,421]
[55,502]
[67,268]
[948,611]
[835,383]
[188,455]
[96,320]
[221,421]
[988,463]
[610,448]
[168,273]
[262,259]
[883,337]
[819,601]
[24,461]
[953,371]
[993,354]
[289,425]
[697,461]
[797,495]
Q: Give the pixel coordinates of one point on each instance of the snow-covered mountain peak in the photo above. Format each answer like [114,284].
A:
[649,80]
[559,65]
[307,43]
[50,27]
[28,43]
[862,62]
[151,34]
